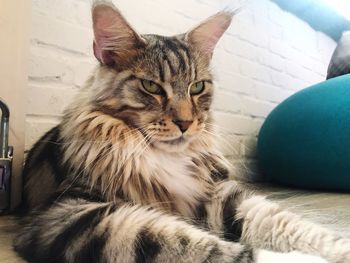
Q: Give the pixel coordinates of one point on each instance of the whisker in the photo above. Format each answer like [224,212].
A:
[226,133]
[233,168]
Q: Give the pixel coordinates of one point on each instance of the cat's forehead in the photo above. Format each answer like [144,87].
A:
[154,40]
[170,59]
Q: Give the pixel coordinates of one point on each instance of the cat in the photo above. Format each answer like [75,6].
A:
[132,173]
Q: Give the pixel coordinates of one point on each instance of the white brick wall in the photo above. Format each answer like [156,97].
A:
[266,55]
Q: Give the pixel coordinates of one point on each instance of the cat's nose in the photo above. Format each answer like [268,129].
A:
[183,125]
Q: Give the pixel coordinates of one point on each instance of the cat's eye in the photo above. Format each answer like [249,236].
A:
[151,87]
[197,88]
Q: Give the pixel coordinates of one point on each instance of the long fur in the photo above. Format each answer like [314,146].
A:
[121,179]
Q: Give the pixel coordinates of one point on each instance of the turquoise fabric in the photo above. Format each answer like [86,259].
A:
[305,141]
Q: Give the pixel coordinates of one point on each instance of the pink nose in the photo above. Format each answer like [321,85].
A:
[183,125]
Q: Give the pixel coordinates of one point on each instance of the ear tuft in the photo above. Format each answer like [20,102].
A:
[115,40]
[205,36]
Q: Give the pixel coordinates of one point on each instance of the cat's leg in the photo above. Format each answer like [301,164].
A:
[265,223]
[239,216]
[77,230]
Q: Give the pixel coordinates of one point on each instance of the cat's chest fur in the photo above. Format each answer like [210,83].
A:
[169,180]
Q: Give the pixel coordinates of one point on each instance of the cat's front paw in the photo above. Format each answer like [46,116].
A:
[265,256]
[339,251]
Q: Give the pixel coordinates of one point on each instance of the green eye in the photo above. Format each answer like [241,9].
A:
[151,87]
[197,88]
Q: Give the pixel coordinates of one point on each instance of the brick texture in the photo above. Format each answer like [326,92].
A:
[266,56]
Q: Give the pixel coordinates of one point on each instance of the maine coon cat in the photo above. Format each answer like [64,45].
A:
[132,173]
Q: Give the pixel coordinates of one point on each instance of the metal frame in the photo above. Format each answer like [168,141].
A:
[4,129]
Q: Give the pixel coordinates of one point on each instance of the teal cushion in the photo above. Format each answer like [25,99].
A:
[305,141]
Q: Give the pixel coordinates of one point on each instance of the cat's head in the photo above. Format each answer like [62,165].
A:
[159,85]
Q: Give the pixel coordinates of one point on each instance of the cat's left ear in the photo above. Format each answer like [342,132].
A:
[205,36]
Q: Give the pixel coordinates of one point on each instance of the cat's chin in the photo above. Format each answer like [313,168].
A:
[177,145]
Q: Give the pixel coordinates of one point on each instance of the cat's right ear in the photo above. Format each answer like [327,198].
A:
[116,42]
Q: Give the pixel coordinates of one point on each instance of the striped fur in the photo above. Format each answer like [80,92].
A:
[120,179]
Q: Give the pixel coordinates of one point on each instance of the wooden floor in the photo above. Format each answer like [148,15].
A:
[8,228]
[329,209]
